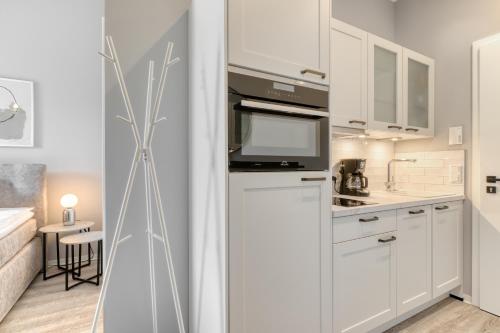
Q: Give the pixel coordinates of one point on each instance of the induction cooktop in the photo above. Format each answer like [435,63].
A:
[350,202]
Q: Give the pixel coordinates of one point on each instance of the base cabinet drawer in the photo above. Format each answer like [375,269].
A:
[364,283]
[447,245]
[364,225]
[414,257]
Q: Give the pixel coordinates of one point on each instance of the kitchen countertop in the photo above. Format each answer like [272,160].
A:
[390,201]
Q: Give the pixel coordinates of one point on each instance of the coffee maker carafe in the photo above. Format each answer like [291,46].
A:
[350,179]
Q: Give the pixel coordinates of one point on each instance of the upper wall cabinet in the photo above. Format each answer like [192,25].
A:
[380,86]
[418,93]
[385,86]
[283,37]
[349,75]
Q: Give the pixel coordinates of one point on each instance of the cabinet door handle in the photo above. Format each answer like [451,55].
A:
[442,207]
[415,212]
[313,71]
[411,129]
[387,240]
[313,179]
[371,219]
[394,127]
[361,122]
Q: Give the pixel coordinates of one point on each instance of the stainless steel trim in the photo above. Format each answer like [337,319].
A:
[371,219]
[387,240]
[277,78]
[441,207]
[361,122]
[313,179]
[313,71]
[283,108]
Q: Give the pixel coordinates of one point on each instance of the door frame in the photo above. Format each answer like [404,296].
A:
[475,174]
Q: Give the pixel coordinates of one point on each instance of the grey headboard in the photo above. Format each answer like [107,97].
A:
[24,185]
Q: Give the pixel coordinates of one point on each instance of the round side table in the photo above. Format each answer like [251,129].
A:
[81,226]
[80,239]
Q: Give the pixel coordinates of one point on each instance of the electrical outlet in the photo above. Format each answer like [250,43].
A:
[456,174]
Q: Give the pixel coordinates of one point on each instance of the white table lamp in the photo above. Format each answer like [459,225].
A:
[69,201]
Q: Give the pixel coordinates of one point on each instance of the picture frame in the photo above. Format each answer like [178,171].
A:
[17,118]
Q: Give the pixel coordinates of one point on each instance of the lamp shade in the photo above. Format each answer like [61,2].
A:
[69,200]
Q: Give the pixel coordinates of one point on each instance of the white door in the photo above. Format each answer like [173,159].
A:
[280,252]
[283,37]
[349,61]
[418,93]
[414,257]
[486,152]
[385,93]
[447,247]
[364,283]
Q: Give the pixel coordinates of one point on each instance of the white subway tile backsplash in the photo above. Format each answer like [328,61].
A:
[431,172]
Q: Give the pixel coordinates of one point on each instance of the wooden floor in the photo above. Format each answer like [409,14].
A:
[46,307]
[450,316]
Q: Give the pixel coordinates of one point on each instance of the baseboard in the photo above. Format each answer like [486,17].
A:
[468,299]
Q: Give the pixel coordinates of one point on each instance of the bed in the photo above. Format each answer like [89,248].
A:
[23,202]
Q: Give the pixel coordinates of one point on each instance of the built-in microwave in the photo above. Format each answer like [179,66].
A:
[276,123]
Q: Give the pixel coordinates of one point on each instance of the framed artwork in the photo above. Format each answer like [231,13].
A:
[16,113]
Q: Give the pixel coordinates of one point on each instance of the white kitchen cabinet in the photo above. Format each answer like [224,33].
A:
[385,85]
[280,252]
[349,62]
[418,93]
[447,245]
[364,283]
[282,37]
[414,257]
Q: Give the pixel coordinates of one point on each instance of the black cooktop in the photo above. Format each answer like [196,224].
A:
[350,202]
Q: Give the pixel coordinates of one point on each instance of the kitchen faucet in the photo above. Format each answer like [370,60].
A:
[390,184]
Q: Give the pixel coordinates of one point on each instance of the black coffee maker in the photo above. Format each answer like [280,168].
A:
[350,179]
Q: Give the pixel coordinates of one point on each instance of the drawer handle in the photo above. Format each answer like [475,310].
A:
[371,219]
[416,212]
[394,127]
[411,129]
[313,71]
[313,179]
[442,207]
[387,240]
[361,122]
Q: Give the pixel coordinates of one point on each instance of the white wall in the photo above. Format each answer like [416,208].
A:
[208,164]
[447,35]
[375,16]
[54,43]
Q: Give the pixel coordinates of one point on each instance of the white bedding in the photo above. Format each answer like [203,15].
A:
[11,218]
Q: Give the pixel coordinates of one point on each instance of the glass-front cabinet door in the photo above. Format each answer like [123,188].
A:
[418,93]
[385,106]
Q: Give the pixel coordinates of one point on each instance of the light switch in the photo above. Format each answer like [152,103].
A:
[456,174]
[455,136]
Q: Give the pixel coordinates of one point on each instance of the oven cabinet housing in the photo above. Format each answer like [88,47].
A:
[447,241]
[280,252]
[282,37]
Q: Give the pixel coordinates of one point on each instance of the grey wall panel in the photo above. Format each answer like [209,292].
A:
[127,307]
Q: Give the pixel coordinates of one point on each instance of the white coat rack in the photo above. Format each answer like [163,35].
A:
[143,154]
